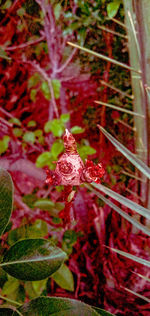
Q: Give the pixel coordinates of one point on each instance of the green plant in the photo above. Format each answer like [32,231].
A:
[35,259]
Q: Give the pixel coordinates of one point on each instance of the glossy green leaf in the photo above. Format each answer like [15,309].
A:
[112,8]
[123,200]
[29,137]
[77,130]
[43,159]
[65,117]
[32,259]
[129,218]
[132,257]
[4,142]
[64,278]
[6,198]
[56,149]
[139,164]
[46,306]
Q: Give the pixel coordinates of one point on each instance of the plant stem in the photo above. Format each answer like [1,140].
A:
[9,300]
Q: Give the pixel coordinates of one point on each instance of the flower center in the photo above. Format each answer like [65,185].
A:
[65,167]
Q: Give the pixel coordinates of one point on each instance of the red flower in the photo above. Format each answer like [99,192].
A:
[70,169]
[93,172]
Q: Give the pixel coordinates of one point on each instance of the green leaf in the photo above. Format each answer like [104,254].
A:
[21,12]
[3,54]
[6,5]
[44,159]
[6,198]
[57,10]
[39,286]
[4,142]
[32,259]
[123,200]
[34,80]
[132,257]
[77,130]
[122,213]
[112,8]
[84,151]
[31,123]
[36,230]
[15,121]
[55,126]
[48,205]
[65,117]
[56,87]
[139,164]
[56,149]
[17,132]
[44,204]
[29,137]
[45,90]
[10,286]
[64,278]
[46,306]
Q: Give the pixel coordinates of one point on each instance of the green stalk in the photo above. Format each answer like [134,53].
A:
[137,16]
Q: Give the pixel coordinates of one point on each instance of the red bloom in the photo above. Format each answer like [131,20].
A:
[70,169]
[93,172]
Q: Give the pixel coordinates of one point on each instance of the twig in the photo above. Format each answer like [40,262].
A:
[67,61]
[34,42]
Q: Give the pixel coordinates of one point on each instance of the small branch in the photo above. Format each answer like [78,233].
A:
[5,122]
[67,61]
[34,42]
[6,113]
[9,300]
